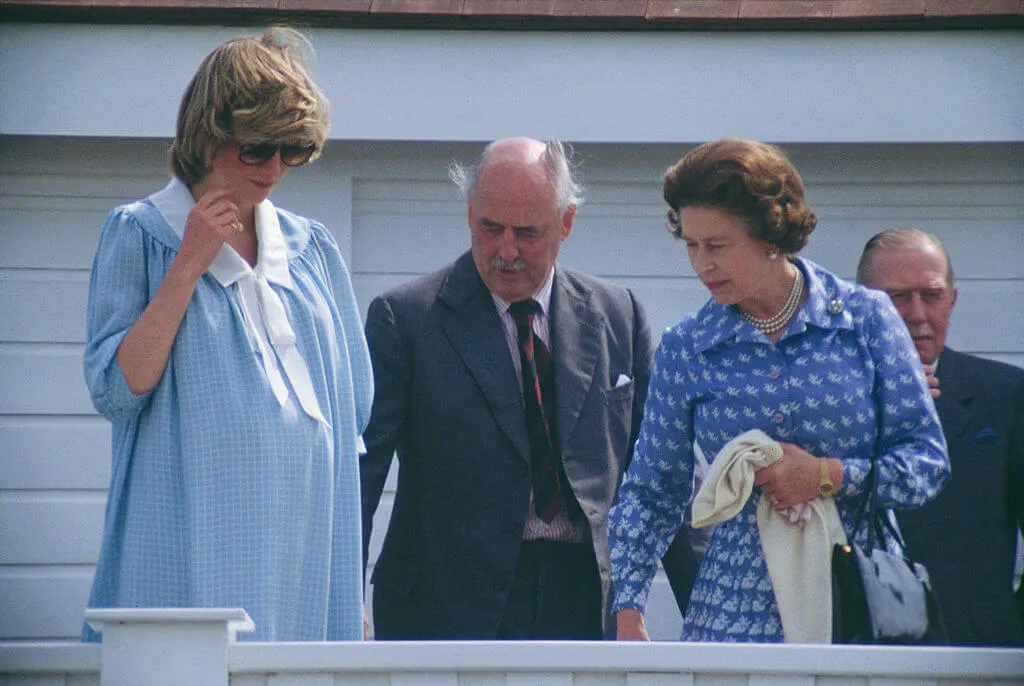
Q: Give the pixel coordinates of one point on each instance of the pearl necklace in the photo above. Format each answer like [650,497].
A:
[778,321]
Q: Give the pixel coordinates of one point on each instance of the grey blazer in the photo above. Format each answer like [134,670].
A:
[448,400]
[967,536]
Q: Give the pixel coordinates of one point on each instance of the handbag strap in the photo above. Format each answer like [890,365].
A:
[878,520]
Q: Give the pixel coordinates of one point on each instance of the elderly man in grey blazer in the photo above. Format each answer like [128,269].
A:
[967,536]
[511,388]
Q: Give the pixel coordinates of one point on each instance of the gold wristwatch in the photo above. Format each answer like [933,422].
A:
[826,489]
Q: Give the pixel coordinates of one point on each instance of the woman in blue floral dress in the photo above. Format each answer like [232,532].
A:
[821,365]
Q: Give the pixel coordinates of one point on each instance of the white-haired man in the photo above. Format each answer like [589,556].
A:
[512,389]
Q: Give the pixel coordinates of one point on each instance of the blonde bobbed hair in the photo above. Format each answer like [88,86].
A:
[252,89]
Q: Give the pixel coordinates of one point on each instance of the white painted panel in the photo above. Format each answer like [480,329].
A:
[640,679]
[248,680]
[362,679]
[54,452]
[780,680]
[718,679]
[42,680]
[43,602]
[71,187]
[540,679]
[301,679]
[44,306]
[45,379]
[425,679]
[988,317]
[480,85]
[50,238]
[598,679]
[481,679]
[843,681]
[50,527]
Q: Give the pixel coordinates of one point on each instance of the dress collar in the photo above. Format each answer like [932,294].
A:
[175,201]
[264,314]
[824,307]
[542,296]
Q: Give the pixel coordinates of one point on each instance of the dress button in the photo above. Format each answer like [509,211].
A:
[835,306]
[500,586]
[778,417]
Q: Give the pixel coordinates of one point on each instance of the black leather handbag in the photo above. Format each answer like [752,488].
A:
[878,597]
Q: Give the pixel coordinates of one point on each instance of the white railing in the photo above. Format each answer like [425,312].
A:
[198,648]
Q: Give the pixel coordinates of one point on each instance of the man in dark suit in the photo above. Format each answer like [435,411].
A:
[498,528]
[967,536]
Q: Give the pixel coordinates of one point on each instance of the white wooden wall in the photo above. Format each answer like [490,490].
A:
[396,216]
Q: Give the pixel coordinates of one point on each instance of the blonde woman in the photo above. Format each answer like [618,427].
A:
[225,346]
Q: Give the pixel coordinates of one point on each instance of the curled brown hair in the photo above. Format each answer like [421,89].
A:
[253,89]
[753,181]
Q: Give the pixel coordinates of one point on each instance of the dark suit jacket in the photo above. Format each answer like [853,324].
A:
[967,536]
[447,398]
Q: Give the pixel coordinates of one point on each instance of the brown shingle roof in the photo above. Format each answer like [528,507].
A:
[541,14]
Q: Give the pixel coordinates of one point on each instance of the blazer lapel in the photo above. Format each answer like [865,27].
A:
[575,348]
[956,398]
[471,324]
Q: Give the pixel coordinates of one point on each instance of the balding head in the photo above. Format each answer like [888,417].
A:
[912,267]
[525,154]
[900,239]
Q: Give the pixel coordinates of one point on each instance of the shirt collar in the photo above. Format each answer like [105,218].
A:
[175,202]
[542,296]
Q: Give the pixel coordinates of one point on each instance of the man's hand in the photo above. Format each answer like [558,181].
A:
[933,381]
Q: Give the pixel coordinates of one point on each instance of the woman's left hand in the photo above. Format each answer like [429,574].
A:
[792,480]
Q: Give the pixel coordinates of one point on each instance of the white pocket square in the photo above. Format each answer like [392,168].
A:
[622,380]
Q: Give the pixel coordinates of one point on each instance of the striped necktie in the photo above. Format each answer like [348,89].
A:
[538,392]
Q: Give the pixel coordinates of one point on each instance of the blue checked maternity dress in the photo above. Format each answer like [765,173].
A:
[844,380]
[228,489]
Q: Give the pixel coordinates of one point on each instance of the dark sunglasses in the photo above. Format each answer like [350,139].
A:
[260,153]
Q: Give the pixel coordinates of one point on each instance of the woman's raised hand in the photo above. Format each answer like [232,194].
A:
[211,222]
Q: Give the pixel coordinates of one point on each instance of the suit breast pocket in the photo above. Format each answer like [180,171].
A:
[622,394]
[618,408]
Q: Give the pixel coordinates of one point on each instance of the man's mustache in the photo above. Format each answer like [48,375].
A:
[921,331]
[504,265]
